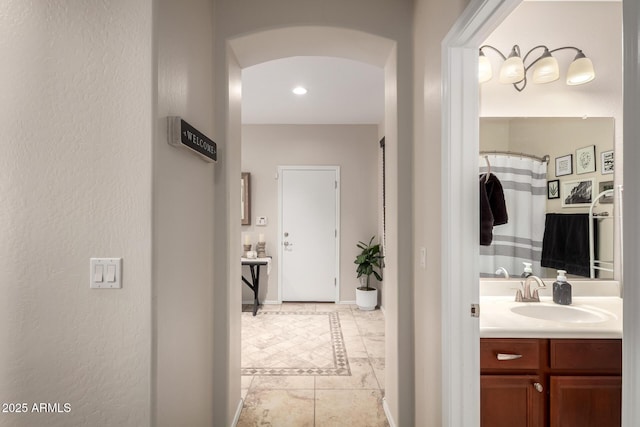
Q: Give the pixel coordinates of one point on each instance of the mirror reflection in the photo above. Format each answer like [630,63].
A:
[550,176]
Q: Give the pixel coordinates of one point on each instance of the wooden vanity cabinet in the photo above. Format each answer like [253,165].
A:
[550,382]
[585,383]
[512,384]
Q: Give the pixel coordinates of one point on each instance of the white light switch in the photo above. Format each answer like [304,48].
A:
[261,220]
[105,273]
[111,273]
[98,273]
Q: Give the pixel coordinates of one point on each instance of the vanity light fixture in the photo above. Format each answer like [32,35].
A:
[545,67]
[299,90]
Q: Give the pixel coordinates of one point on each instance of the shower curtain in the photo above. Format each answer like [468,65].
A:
[524,182]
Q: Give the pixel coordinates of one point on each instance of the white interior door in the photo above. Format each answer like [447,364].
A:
[309,206]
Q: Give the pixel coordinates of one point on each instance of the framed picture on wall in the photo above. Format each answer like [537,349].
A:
[604,186]
[564,165]
[245,198]
[553,189]
[606,165]
[577,193]
[586,159]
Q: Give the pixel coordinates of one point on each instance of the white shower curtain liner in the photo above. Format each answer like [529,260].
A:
[524,182]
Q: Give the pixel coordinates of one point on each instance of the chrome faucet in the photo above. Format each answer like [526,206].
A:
[502,270]
[526,287]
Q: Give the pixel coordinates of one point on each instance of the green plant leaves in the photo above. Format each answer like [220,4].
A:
[369,258]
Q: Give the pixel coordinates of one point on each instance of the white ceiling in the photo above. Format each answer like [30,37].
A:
[340,91]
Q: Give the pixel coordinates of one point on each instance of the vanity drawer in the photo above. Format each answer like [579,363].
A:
[511,354]
[593,355]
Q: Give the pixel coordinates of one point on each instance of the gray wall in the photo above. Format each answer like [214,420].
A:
[183,218]
[432,21]
[352,147]
[76,131]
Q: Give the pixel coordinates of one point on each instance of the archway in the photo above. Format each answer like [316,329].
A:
[262,46]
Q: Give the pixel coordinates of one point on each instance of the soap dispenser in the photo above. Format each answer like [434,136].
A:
[527,270]
[562,289]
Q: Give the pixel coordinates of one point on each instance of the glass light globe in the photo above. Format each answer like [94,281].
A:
[512,70]
[485,73]
[546,70]
[580,71]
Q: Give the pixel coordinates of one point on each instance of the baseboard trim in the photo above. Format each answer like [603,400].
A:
[387,412]
[236,418]
[273,302]
[384,312]
[250,302]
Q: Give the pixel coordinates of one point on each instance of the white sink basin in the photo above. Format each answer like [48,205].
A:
[562,313]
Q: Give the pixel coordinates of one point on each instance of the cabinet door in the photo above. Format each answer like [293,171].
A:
[586,401]
[511,400]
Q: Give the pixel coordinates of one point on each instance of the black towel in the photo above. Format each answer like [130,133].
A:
[565,245]
[493,210]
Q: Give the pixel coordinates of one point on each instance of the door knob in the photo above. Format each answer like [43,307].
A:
[286,234]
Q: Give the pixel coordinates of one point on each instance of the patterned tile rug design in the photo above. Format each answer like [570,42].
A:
[293,344]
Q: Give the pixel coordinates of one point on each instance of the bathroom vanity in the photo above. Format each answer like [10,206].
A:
[543,364]
[550,382]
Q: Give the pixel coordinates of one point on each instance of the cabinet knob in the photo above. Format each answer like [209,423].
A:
[538,387]
[506,356]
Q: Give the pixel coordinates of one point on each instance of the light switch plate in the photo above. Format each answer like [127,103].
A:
[100,271]
[423,257]
[261,220]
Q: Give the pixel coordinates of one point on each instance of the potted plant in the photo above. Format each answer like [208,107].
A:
[367,262]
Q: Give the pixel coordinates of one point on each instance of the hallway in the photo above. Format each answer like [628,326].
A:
[315,396]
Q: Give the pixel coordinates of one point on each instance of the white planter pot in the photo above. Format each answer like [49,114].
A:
[367,300]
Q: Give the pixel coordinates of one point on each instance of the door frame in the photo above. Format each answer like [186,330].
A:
[460,138]
[336,169]
[460,107]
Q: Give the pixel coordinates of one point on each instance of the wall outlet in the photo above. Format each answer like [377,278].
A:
[423,257]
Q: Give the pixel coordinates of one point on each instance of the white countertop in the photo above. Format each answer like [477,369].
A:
[498,321]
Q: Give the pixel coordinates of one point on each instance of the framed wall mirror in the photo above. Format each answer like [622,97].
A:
[526,185]
[245,198]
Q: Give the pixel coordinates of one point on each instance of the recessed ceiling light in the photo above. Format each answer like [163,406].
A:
[299,90]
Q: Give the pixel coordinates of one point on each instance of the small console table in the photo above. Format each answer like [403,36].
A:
[254,265]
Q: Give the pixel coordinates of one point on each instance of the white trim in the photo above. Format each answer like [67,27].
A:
[460,238]
[387,412]
[336,169]
[347,302]
[631,209]
[236,417]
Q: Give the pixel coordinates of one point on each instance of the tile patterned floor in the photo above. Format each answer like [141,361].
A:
[325,396]
[278,343]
